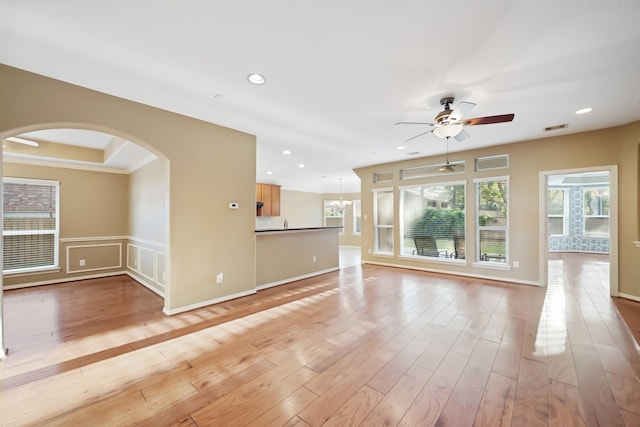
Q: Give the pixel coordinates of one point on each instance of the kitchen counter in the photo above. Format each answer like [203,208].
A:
[287,255]
[276,230]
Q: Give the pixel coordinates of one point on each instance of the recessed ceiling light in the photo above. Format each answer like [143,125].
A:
[301,165]
[401,147]
[23,141]
[286,152]
[256,79]
[584,110]
[269,173]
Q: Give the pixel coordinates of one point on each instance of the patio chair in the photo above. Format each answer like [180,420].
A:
[426,246]
[458,247]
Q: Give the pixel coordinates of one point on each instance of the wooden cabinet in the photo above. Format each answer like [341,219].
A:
[269,195]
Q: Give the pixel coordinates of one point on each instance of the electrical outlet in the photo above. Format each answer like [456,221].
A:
[314,258]
[82,262]
[219,278]
[516,264]
[369,251]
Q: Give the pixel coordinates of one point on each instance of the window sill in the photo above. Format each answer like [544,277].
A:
[31,272]
[383,254]
[492,265]
[439,260]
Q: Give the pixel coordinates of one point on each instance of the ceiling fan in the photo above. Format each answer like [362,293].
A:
[449,123]
[447,167]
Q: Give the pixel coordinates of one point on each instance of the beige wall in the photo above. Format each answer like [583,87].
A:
[146,248]
[148,193]
[616,146]
[301,209]
[209,166]
[93,221]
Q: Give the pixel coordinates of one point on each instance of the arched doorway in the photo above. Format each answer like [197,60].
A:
[109,213]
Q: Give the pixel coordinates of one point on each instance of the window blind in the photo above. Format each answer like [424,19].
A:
[30,224]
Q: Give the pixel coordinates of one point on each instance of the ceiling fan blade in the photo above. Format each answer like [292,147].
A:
[461,136]
[420,134]
[462,109]
[415,123]
[488,120]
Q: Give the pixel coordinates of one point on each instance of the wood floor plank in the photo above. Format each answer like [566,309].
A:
[368,345]
[431,400]
[496,407]
[340,391]
[565,405]
[600,406]
[390,410]
[509,356]
[249,402]
[627,392]
[531,407]
[462,406]
[285,410]
[355,409]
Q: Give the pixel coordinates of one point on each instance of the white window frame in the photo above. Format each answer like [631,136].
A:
[402,225]
[377,226]
[585,216]
[324,214]
[565,216]
[56,232]
[357,213]
[491,264]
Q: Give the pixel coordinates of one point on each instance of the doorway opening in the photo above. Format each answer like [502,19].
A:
[578,226]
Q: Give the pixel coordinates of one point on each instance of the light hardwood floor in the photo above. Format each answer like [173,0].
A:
[363,346]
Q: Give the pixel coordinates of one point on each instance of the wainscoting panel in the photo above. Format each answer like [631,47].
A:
[93,257]
[160,268]
[146,262]
[132,257]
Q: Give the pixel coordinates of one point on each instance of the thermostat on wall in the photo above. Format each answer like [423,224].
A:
[233,205]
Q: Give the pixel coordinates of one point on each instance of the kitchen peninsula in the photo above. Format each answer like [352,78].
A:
[286,255]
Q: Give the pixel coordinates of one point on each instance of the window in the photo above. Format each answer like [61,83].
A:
[334,214]
[596,211]
[357,220]
[433,221]
[31,226]
[383,221]
[492,220]
[558,211]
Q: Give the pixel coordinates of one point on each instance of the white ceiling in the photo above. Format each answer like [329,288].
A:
[341,73]
[119,155]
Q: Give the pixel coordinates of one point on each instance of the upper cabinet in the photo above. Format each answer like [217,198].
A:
[269,196]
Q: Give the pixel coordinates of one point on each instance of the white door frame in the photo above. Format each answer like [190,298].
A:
[613,222]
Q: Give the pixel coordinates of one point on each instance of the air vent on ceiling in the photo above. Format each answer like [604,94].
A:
[556,127]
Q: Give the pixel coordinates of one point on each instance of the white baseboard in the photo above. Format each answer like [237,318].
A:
[627,296]
[208,302]
[293,279]
[455,273]
[66,279]
[146,284]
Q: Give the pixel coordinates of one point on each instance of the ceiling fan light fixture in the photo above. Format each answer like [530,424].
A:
[447,131]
